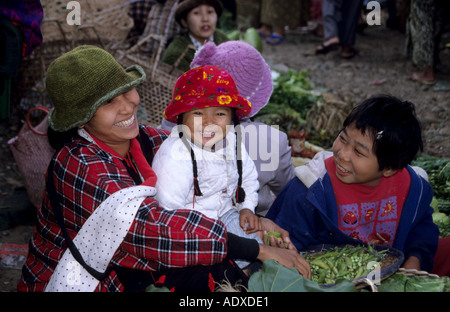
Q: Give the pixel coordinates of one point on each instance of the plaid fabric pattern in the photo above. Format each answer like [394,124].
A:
[158,239]
[139,12]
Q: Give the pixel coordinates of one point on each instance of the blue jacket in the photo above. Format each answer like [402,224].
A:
[307,208]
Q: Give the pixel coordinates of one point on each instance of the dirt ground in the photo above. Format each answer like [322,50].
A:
[381,59]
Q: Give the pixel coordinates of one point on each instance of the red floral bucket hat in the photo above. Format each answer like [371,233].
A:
[205,86]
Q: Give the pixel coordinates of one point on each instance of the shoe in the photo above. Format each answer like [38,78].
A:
[417,77]
[353,52]
[275,39]
[324,49]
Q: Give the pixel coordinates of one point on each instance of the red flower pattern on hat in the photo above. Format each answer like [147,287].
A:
[205,86]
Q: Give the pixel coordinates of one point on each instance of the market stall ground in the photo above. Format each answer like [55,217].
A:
[380,67]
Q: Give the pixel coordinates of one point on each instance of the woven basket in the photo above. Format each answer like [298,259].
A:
[29,85]
[414,273]
[156,91]
[32,153]
[107,19]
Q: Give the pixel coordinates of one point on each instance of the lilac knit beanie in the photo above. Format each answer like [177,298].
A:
[245,64]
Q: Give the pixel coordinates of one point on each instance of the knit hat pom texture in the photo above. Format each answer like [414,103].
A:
[245,64]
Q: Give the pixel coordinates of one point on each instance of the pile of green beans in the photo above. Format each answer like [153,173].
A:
[347,262]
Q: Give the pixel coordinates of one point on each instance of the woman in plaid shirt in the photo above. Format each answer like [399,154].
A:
[102,183]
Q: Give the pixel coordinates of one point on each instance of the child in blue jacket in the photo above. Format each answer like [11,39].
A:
[365,189]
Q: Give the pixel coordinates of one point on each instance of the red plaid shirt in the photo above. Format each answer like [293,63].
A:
[85,176]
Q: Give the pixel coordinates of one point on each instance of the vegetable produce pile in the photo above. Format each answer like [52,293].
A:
[438,170]
[292,97]
[403,283]
[348,262]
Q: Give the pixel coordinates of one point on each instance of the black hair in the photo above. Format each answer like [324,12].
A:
[57,139]
[217,5]
[394,127]
[240,192]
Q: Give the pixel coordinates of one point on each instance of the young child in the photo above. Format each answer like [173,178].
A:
[199,18]
[204,165]
[365,190]
[267,146]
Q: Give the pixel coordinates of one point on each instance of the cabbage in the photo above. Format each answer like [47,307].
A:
[403,283]
[443,223]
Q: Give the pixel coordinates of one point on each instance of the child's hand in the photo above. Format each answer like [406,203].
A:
[249,222]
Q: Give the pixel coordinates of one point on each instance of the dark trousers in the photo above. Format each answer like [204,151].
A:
[340,18]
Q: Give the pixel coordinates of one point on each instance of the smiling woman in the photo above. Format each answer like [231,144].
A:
[100,227]
[100,163]
[115,122]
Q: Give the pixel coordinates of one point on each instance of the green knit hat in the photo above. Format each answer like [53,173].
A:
[79,81]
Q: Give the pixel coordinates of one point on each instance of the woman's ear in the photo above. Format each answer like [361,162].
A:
[184,23]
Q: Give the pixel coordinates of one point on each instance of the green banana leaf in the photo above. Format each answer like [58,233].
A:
[274,277]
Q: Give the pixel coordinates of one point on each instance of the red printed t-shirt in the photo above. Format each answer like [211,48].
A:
[370,213]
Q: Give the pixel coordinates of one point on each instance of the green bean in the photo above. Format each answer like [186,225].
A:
[348,262]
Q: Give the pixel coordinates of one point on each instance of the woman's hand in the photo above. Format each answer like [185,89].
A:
[288,257]
[270,226]
[281,250]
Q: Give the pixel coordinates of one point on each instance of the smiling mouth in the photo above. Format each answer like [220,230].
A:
[340,168]
[125,123]
[207,133]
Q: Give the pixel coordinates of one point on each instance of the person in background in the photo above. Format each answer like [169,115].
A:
[340,23]
[20,35]
[199,20]
[423,33]
[276,15]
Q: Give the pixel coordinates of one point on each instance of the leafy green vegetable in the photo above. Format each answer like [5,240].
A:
[403,283]
[394,283]
[274,277]
[443,223]
[292,97]
[422,284]
[438,170]
[250,36]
